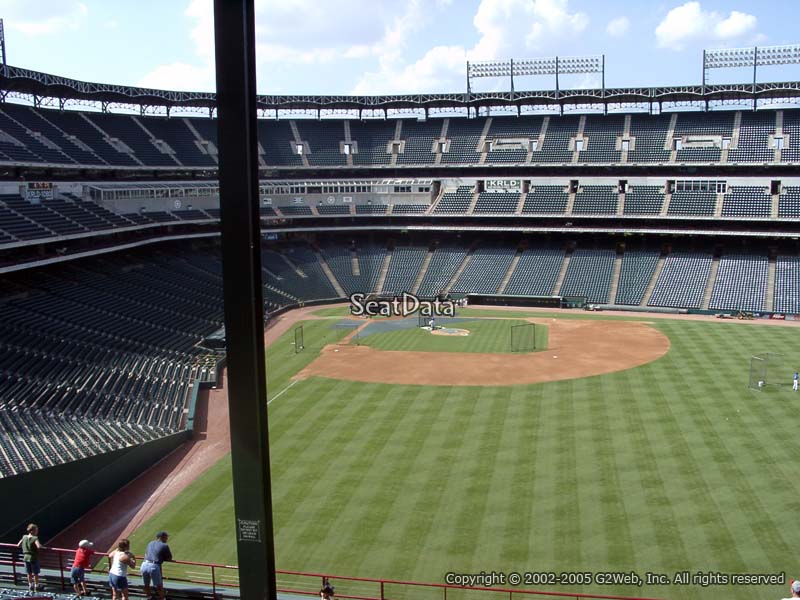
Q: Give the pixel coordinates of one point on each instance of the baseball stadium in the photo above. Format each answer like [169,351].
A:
[606,412]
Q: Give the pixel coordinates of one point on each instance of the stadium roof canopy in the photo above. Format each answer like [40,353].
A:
[41,86]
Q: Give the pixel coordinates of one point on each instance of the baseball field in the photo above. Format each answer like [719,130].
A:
[661,460]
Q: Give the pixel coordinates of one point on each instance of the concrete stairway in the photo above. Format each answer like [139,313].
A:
[458,272]
[511,268]
[331,277]
[612,292]
[712,278]
[384,270]
[648,292]
[562,274]
[426,262]
[769,298]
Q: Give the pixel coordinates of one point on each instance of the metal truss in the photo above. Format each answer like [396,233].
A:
[43,89]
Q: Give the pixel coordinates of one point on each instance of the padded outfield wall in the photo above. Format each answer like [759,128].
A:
[56,496]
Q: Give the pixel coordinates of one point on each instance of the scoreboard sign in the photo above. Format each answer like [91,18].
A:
[502,185]
[39,190]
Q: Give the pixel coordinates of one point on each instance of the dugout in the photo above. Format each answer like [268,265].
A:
[531,301]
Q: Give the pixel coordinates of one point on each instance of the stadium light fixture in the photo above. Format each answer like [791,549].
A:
[526,67]
[729,58]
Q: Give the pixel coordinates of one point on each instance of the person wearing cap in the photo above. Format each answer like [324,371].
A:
[156,553]
[795,587]
[83,561]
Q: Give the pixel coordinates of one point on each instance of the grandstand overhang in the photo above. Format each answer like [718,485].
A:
[40,86]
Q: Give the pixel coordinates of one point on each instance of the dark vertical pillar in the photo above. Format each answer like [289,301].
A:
[3,46]
[234,35]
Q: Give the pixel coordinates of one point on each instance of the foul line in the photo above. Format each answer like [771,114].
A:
[275,397]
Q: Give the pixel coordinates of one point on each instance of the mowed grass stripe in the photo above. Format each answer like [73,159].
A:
[422,494]
[440,483]
[608,505]
[336,464]
[523,426]
[656,526]
[490,477]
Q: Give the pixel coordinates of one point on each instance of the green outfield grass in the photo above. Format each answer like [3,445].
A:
[671,466]
[487,335]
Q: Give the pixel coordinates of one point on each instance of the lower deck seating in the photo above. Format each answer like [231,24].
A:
[741,283]
[589,274]
[536,272]
[635,274]
[787,284]
[444,264]
[485,271]
[683,280]
[404,268]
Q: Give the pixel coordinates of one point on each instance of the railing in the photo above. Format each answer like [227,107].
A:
[222,581]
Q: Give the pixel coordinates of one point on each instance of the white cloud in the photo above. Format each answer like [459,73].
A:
[736,25]
[502,24]
[438,68]
[43,17]
[506,28]
[618,27]
[690,23]
[182,77]
[377,34]
[301,32]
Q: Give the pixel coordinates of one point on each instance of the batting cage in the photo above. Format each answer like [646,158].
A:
[423,320]
[523,337]
[771,371]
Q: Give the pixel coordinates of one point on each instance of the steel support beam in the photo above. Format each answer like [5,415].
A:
[234,36]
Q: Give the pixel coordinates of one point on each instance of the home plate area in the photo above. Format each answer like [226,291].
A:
[448,331]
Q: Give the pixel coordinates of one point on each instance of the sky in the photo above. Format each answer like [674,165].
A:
[394,46]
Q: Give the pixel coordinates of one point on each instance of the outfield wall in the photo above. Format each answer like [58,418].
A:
[55,497]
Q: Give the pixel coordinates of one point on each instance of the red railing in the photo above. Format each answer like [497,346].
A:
[219,578]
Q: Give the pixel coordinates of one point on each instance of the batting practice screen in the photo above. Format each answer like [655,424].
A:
[771,371]
[299,344]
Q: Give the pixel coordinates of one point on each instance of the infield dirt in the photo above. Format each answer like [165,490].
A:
[576,349]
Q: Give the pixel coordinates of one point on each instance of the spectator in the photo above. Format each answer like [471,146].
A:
[157,552]
[795,587]
[30,555]
[326,592]
[83,561]
[120,560]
